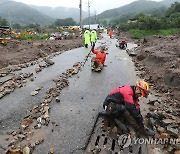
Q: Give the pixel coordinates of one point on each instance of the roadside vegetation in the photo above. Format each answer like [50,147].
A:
[35,31]
[138,34]
[3,22]
[159,23]
[33,37]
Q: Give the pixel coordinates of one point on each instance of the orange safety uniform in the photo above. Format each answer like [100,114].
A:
[110,33]
[100,56]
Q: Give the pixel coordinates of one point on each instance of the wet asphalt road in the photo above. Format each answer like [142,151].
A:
[80,102]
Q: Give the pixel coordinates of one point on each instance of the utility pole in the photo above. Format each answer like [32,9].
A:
[80,6]
[9,18]
[8,12]
[89,14]
[95,17]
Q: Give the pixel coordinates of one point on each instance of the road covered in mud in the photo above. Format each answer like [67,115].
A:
[51,106]
[41,110]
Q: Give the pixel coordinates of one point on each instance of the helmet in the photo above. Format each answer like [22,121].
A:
[144,87]
[103,48]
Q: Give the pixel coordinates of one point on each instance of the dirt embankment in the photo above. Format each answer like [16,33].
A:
[158,60]
[160,57]
[22,51]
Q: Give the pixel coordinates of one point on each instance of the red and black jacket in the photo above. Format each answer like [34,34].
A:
[124,95]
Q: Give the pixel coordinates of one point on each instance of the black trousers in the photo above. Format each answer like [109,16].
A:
[136,114]
[86,45]
[117,108]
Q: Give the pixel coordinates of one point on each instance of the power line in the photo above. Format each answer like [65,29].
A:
[95,16]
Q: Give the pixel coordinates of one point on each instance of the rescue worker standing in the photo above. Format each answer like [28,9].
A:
[93,36]
[110,33]
[87,35]
[97,62]
[105,30]
[125,98]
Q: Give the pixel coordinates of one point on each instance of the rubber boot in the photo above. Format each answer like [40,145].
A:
[92,65]
[147,132]
[121,126]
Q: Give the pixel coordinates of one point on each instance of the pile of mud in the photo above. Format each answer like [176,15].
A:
[158,58]
[124,36]
[23,51]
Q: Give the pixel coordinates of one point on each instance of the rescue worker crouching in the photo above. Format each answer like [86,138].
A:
[124,100]
[122,44]
[97,63]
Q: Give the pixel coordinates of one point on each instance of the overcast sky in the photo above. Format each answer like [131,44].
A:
[98,5]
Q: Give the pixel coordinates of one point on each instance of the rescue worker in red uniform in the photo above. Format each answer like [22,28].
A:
[97,62]
[122,44]
[125,98]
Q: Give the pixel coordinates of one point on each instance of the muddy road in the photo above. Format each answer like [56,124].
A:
[53,108]
[79,103]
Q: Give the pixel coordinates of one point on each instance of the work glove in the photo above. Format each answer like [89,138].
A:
[111,108]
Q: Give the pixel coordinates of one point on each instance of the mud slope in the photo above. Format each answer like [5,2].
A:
[22,51]
[159,60]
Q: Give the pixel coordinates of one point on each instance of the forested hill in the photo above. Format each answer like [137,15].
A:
[61,12]
[143,6]
[137,6]
[22,14]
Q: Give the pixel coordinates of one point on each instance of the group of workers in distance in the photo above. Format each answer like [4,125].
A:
[97,63]
[90,37]
[121,102]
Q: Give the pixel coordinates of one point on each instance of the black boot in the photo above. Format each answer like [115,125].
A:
[147,132]
[121,126]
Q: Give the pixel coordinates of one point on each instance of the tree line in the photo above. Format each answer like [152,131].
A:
[3,22]
[57,23]
[155,20]
[169,19]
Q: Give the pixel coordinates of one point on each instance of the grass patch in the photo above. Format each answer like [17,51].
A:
[33,37]
[138,34]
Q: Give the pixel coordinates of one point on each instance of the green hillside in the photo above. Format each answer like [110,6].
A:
[61,12]
[23,14]
[134,7]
